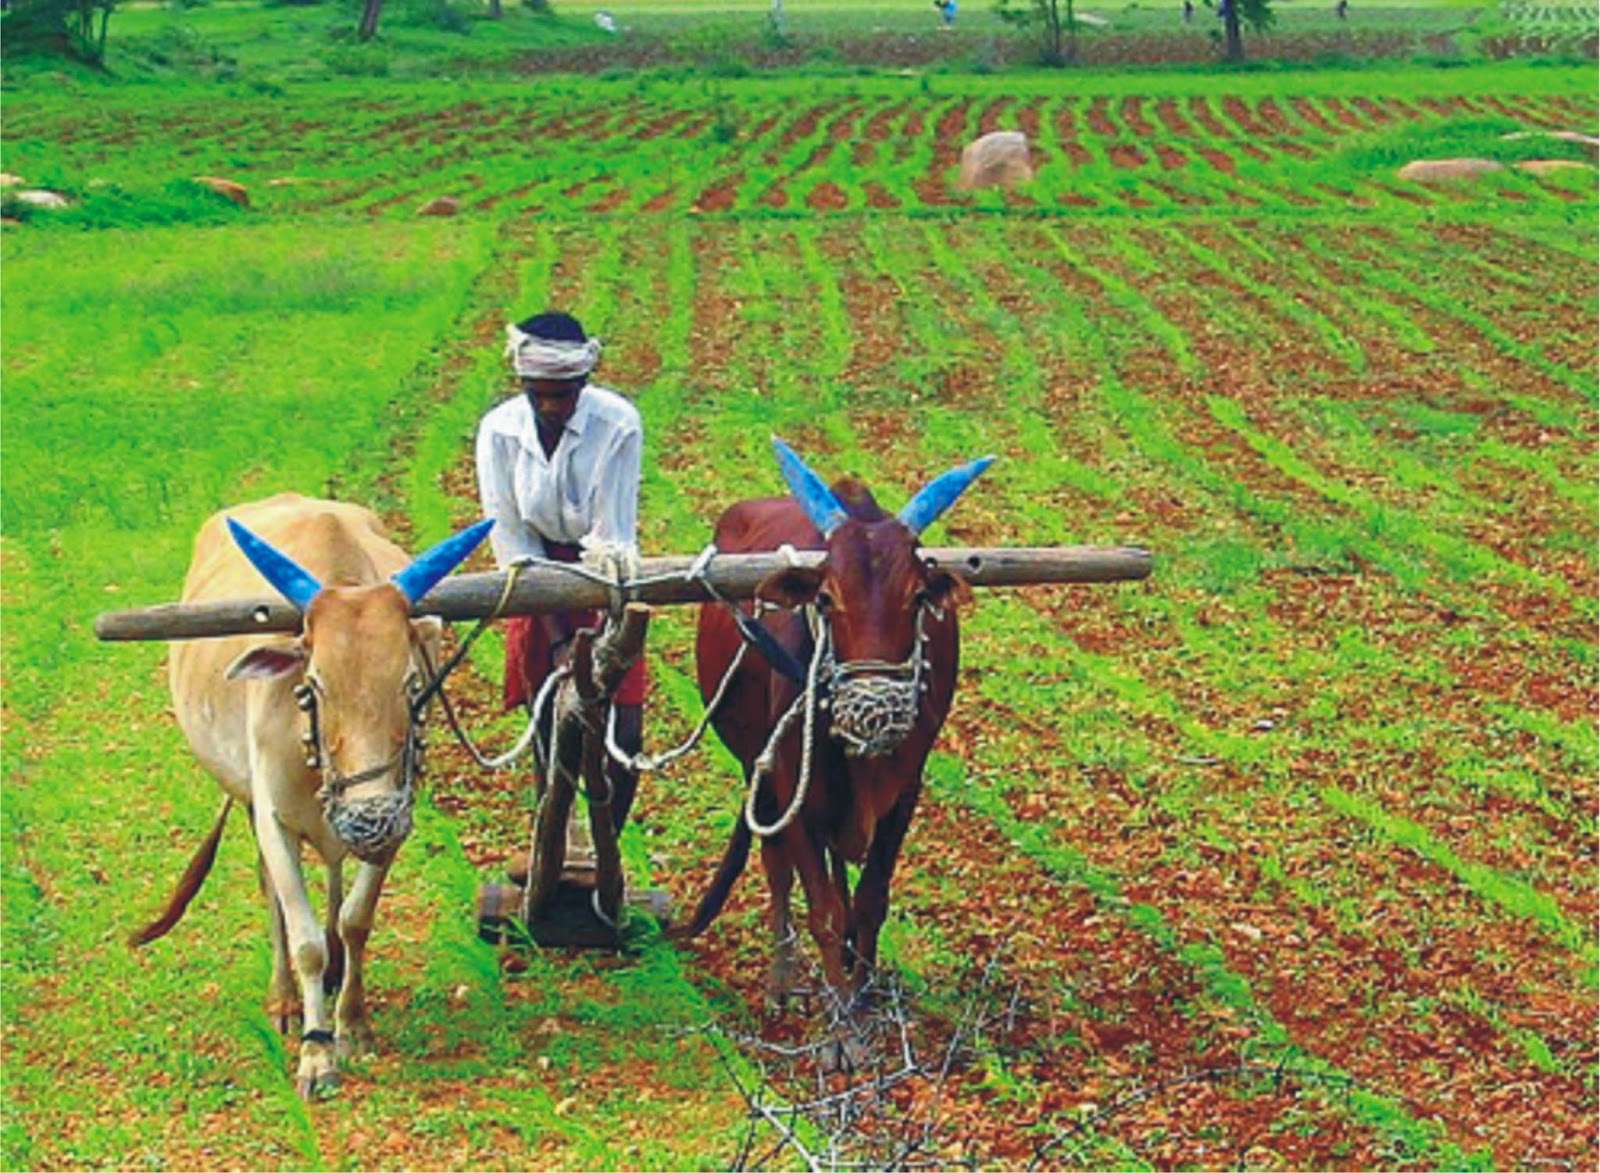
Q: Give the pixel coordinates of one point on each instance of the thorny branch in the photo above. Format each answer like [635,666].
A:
[887,1112]
[884,1111]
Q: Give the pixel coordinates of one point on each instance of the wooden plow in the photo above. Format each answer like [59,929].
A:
[555,904]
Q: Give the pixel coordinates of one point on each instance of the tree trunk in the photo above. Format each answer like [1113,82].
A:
[100,41]
[495,11]
[370,12]
[1230,24]
[1054,54]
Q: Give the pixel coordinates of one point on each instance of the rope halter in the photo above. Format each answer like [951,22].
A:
[875,703]
[373,827]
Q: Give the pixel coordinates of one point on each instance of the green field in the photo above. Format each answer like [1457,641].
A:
[1312,810]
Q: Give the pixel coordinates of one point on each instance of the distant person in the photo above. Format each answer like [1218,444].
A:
[558,469]
[1342,8]
[605,21]
[1188,11]
[947,13]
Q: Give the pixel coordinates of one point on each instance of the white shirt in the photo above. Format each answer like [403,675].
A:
[589,488]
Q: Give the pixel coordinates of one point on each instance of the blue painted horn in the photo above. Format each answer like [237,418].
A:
[940,493]
[420,577]
[821,506]
[288,577]
[299,586]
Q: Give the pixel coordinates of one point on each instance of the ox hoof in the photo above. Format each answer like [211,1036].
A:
[783,984]
[317,1083]
[356,1041]
[319,1069]
[844,1054]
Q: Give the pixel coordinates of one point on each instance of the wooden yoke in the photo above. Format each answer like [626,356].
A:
[662,580]
[582,704]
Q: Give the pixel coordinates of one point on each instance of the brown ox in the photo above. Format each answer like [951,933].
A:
[318,735]
[884,676]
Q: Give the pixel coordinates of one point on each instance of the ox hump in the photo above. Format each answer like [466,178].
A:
[857,499]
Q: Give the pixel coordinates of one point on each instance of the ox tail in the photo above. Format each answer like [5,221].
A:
[733,861]
[193,876]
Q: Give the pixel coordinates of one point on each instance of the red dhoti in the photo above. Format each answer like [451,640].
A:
[528,651]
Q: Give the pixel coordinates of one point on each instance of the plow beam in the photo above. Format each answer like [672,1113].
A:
[664,580]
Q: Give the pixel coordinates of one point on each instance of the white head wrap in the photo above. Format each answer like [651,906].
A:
[543,358]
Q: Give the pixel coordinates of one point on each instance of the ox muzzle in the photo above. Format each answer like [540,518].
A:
[374,827]
[371,826]
[875,703]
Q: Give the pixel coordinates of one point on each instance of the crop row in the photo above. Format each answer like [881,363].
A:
[751,151]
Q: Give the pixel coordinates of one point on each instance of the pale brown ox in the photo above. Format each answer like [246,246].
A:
[318,735]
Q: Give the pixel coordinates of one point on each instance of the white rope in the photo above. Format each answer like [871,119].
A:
[643,762]
[505,760]
[763,764]
[500,761]
[876,702]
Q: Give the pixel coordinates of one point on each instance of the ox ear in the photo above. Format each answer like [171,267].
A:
[426,633]
[941,493]
[821,506]
[794,586]
[944,589]
[267,662]
[287,576]
[423,574]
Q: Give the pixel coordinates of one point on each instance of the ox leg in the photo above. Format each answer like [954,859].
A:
[825,912]
[871,903]
[780,884]
[283,994]
[826,919]
[333,976]
[308,948]
[356,915]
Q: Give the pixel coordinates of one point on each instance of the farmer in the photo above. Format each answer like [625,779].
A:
[558,470]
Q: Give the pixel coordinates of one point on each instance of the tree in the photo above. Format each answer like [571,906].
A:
[1255,13]
[1052,22]
[76,28]
[370,11]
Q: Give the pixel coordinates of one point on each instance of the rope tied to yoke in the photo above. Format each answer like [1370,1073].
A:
[500,761]
[874,703]
[807,700]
